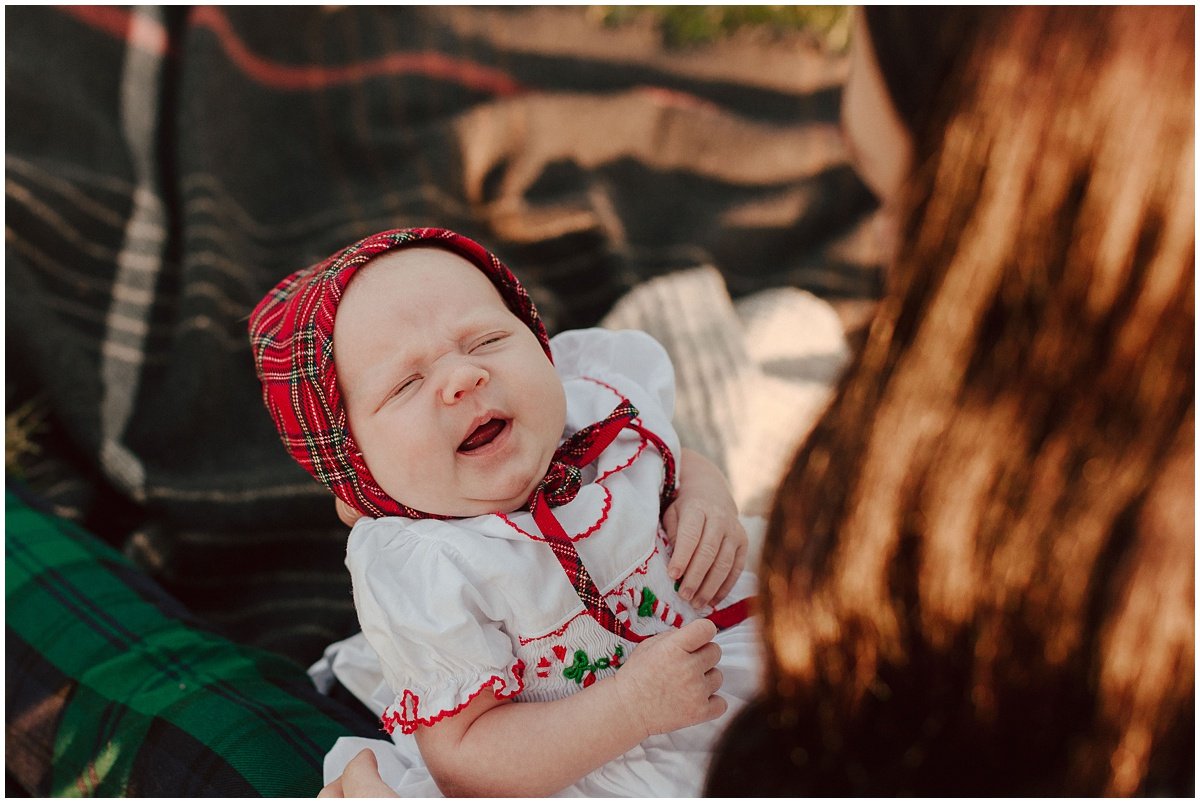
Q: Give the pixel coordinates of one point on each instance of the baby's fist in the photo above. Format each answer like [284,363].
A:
[671,680]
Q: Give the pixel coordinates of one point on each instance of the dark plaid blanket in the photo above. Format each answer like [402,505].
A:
[166,166]
[135,696]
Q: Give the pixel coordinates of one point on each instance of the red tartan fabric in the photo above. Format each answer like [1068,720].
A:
[562,484]
[291,335]
[564,479]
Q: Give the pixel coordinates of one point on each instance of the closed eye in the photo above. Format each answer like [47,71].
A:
[401,388]
[488,340]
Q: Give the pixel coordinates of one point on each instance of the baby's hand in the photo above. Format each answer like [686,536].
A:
[347,514]
[671,681]
[709,540]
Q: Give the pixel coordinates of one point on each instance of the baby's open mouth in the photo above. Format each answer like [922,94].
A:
[483,434]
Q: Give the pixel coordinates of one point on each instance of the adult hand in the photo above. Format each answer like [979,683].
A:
[708,539]
[359,779]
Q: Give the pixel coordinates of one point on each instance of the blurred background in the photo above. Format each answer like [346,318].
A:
[678,169]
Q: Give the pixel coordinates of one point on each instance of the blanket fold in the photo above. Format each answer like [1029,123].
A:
[166,166]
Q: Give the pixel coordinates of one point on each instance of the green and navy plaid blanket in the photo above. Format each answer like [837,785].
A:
[164,167]
[131,694]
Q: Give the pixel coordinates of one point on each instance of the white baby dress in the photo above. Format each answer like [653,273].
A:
[452,609]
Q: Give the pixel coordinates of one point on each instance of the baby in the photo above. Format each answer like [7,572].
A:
[540,600]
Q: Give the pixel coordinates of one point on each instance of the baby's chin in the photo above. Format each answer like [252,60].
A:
[507,498]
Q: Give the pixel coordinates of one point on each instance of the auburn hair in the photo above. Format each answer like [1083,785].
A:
[978,575]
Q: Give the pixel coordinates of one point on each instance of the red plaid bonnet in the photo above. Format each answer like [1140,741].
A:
[291,334]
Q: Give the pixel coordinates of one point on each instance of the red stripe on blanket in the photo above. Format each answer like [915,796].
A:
[147,34]
[316,76]
[150,35]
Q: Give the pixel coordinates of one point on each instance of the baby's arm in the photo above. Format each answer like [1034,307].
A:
[702,524]
[497,748]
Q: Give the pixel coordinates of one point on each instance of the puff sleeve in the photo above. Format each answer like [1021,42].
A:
[438,631]
[626,354]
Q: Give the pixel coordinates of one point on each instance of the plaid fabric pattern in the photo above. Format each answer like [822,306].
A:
[562,484]
[564,479]
[113,689]
[577,573]
[291,334]
[166,165]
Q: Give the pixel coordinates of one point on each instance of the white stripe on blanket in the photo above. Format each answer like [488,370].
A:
[751,377]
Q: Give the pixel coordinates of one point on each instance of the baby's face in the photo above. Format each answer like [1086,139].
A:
[452,400]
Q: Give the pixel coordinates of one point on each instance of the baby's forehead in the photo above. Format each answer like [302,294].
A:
[411,260]
[418,284]
[418,266]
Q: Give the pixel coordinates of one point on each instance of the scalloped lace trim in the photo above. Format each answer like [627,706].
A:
[405,712]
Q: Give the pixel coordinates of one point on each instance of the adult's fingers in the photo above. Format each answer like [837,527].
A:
[718,572]
[739,563]
[705,555]
[361,778]
[689,527]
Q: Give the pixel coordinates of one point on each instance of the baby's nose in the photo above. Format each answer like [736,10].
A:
[463,379]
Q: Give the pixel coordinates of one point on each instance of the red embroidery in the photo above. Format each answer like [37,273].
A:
[604,384]
[576,570]
[603,517]
[636,420]
[641,448]
[623,590]
[574,538]
[524,641]
[504,518]
[560,652]
[644,567]
[670,481]
[406,712]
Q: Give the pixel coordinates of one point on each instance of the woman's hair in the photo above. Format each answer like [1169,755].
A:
[978,576]
[917,51]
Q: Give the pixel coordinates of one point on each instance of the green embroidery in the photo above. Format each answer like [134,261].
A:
[583,669]
[646,608]
[678,583]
